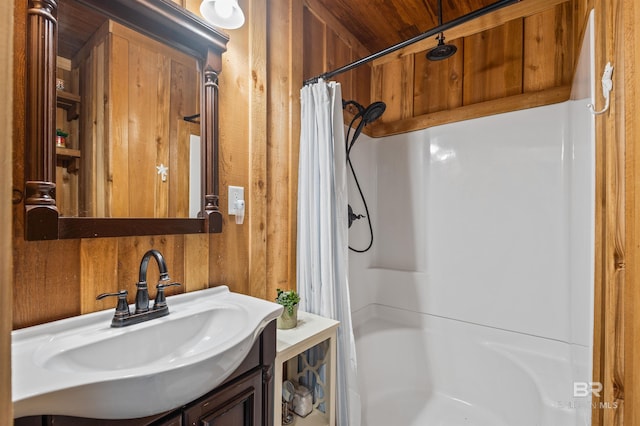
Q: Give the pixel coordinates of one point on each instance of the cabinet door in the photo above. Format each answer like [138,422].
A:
[236,404]
[175,420]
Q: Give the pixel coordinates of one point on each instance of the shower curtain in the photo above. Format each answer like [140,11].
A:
[322,246]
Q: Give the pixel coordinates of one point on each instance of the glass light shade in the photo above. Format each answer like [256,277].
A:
[222,13]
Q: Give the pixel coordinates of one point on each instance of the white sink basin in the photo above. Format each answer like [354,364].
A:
[82,367]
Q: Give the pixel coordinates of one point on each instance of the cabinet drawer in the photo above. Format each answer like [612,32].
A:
[236,404]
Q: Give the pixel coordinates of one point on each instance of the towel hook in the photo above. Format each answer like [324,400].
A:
[607,86]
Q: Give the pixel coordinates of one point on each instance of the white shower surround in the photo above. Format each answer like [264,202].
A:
[484,242]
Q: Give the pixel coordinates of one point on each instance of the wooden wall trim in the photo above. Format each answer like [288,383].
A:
[294,138]
[501,16]
[258,207]
[482,109]
[285,81]
[6,170]
[617,256]
[631,31]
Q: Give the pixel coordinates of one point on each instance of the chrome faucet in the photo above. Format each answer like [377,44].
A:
[123,315]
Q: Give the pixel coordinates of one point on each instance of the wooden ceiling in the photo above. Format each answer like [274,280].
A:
[76,24]
[378,24]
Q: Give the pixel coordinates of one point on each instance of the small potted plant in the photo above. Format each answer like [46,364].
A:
[289,317]
[61,138]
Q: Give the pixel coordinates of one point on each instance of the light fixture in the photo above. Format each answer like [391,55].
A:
[222,13]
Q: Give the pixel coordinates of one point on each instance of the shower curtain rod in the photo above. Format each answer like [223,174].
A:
[440,28]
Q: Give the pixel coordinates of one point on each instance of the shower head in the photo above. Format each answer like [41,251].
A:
[366,115]
[373,112]
[369,114]
[442,50]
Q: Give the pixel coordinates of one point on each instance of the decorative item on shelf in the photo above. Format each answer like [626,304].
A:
[289,317]
[60,84]
[61,138]
[162,171]
[288,391]
[302,401]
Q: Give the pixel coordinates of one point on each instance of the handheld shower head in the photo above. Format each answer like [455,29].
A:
[367,116]
[373,112]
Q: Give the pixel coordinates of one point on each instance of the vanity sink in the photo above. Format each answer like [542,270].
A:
[83,367]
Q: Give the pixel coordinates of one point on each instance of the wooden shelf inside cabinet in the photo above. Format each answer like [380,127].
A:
[312,330]
[69,102]
[70,158]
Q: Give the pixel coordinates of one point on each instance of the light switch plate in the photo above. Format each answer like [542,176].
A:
[235,193]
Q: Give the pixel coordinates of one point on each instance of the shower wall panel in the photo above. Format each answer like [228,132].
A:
[475,220]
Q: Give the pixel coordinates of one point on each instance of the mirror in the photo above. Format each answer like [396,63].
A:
[127,73]
[121,102]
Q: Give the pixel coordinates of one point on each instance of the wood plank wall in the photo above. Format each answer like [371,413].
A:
[617,299]
[518,57]
[629,32]
[329,45]
[260,110]
[6,134]
[284,67]
[514,64]
[610,226]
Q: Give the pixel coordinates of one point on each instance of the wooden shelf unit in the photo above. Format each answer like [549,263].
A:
[69,102]
[312,330]
[67,152]
[69,157]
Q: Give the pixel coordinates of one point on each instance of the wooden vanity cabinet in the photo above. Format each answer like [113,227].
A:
[243,399]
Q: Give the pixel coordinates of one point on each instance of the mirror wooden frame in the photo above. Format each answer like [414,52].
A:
[162,20]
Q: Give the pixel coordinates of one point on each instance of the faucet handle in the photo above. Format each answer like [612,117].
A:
[122,308]
[160,301]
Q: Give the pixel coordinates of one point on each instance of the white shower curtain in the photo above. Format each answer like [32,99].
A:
[322,249]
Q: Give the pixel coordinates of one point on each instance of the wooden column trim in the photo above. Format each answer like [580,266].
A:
[210,184]
[6,171]
[41,90]
[41,214]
